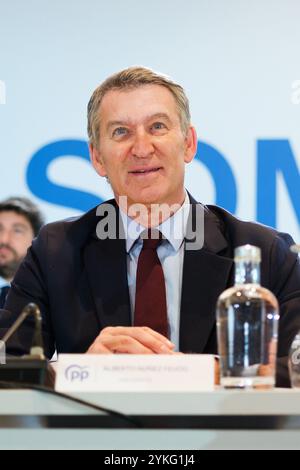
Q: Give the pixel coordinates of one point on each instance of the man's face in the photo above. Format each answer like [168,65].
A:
[142,149]
[16,235]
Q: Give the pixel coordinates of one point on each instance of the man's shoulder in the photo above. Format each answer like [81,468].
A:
[240,231]
[73,229]
[70,225]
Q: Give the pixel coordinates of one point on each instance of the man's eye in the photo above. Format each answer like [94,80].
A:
[158,126]
[119,131]
[19,230]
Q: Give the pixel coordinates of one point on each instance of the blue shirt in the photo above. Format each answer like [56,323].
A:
[4,285]
[3,282]
[170,253]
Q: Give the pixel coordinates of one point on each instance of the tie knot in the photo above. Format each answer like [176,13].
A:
[151,239]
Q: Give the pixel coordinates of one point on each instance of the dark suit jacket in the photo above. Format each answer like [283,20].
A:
[80,282]
[3,294]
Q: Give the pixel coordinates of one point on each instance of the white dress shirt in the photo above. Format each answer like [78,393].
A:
[170,253]
[3,283]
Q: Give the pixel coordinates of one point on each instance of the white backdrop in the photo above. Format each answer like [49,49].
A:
[238,61]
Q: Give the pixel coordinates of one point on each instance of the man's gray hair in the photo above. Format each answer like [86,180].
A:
[130,78]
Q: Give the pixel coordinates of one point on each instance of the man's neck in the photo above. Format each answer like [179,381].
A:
[149,215]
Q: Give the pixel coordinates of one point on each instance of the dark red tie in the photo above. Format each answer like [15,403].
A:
[150,297]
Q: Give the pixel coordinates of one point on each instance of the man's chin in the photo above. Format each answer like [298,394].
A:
[6,260]
[148,196]
[9,269]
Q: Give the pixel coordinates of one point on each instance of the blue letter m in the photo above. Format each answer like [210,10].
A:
[274,157]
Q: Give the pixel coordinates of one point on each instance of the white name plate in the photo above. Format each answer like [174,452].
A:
[134,373]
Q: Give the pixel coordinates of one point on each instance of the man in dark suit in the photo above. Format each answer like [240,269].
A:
[86,273]
[20,221]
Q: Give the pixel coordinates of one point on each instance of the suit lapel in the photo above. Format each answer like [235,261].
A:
[105,263]
[205,275]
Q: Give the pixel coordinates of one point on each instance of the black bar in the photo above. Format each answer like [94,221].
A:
[224,422]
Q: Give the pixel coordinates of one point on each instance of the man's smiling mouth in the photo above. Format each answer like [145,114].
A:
[145,171]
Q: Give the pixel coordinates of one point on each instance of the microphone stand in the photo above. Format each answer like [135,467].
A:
[36,350]
[32,368]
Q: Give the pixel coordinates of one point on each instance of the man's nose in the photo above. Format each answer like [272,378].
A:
[5,237]
[142,145]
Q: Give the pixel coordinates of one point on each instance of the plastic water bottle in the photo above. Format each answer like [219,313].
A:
[294,361]
[247,325]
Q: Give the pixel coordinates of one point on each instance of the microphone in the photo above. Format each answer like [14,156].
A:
[37,348]
[32,368]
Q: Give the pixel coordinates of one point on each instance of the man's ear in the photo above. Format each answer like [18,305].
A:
[97,161]
[190,144]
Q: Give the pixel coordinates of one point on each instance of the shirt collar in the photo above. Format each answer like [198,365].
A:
[173,228]
[3,283]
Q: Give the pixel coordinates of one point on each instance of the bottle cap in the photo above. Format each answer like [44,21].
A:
[247,253]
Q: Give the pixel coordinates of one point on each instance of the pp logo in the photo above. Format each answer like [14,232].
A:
[77,373]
